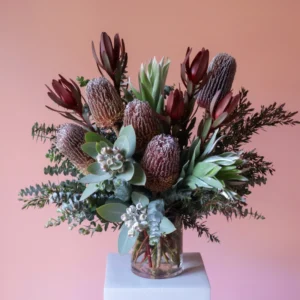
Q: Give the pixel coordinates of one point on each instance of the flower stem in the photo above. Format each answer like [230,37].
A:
[148,250]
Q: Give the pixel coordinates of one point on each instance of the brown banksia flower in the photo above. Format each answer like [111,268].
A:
[69,139]
[161,163]
[104,102]
[140,115]
[221,72]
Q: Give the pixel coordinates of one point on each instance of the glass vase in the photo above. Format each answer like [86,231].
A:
[163,260]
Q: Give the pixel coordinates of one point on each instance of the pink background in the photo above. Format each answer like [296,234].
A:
[39,39]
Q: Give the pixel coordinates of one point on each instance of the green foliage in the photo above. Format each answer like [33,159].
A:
[112,211]
[125,242]
[43,132]
[245,122]
[38,196]
[152,79]
[82,81]
[62,165]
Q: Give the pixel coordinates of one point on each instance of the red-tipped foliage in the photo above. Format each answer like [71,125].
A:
[66,94]
[175,105]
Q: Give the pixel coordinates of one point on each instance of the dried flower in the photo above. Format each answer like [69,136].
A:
[113,59]
[140,115]
[221,72]
[104,102]
[175,105]
[195,72]
[161,163]
[69,139]
[66,94]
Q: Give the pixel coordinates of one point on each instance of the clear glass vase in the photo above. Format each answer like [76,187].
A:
[163,260]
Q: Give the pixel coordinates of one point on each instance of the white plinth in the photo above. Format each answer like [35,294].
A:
[122,284]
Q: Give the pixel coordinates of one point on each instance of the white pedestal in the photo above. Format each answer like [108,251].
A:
[122,284]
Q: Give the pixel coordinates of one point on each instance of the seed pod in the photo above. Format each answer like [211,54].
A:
[140,115]
[161,163]
[221,72]
[104,102]
[69,139]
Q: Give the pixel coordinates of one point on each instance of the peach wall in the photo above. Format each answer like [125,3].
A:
[256,259]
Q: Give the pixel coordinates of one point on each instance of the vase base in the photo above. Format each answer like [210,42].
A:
[163,272]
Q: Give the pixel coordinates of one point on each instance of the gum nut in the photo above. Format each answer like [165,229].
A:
[144,223]
[143,217]
[116,150]
[128,223]
[54,196]
[139,206]
[103,151]
[131,232]
[135,225]
[104,167]
[109,150]
[124,217]
[109,162]
[119,157]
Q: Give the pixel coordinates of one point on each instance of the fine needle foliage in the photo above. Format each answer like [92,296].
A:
[140,159]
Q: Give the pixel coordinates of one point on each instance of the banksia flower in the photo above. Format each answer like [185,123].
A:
[69,139]
[221,72]
[104,102]
[66,94]
[140,115]
[161,163]
[175,105]
[195,72]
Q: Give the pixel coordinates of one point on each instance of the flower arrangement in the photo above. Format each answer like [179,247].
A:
[140,161]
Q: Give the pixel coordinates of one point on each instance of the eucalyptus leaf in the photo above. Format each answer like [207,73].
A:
[128,173]
[112,212]
[129,133]
[125,242]
[139,198]
[123,144]
[100,145]
[166,226]
[90,149]
[95,169]
[89,190]
[95,137]
[91,178]
[139,176]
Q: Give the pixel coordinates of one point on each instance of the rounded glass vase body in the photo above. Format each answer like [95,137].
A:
[163,260]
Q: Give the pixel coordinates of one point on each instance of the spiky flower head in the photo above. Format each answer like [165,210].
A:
[69,139]
[221,71]
[161,163]
[104,102]
[140,115]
